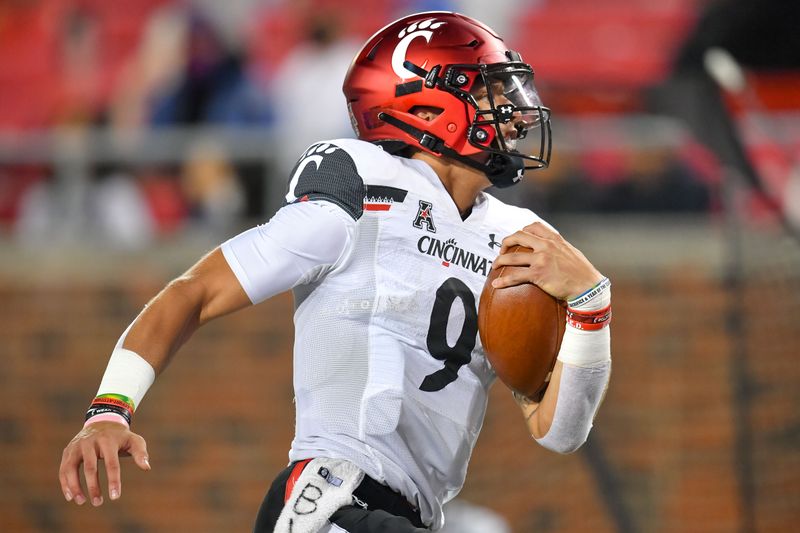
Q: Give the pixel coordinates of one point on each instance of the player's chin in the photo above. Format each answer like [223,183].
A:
[511,142]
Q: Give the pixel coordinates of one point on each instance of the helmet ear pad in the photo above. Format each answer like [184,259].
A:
[452,123]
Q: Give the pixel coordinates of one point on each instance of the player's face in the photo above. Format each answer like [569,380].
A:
[499,96]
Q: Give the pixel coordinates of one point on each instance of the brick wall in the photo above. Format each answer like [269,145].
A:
[663,457]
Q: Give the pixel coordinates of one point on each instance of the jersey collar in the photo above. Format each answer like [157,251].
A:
[479,208]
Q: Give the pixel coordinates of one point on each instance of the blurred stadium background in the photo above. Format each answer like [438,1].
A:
[136,135]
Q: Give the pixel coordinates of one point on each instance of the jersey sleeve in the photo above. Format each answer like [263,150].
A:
[328,172]
[299,245]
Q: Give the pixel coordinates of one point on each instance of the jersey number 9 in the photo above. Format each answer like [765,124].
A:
[460,354]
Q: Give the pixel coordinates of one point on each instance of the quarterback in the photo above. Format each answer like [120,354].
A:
[386,241]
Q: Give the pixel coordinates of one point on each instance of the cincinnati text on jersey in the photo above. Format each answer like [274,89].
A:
[449,252]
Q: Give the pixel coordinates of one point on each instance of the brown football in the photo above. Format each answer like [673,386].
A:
[521,329]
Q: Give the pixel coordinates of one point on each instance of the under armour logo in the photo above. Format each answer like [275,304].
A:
[505,113]
[492,242]
[425,217]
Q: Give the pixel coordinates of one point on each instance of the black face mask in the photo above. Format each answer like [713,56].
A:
[505,170]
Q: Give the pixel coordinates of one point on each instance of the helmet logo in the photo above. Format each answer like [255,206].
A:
[406,35]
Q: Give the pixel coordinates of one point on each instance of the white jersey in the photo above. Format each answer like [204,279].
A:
[389,370]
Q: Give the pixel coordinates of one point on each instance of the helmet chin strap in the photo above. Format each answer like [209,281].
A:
[505,170]
[502,170]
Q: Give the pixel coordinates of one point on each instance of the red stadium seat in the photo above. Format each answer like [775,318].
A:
[610,43]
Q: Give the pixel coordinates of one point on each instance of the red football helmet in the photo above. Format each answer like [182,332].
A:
[441,61]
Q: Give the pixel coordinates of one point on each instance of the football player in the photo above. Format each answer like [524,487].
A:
[386,241]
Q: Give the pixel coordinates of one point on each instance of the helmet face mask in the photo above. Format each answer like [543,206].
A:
[512,109]
[456,64]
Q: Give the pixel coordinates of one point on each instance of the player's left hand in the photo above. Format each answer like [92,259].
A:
[555,265]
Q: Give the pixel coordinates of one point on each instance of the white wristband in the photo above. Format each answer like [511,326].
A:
[128,374]
[595,298]
[588,348]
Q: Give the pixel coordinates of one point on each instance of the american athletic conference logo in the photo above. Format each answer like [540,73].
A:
[424,218]
[409,33]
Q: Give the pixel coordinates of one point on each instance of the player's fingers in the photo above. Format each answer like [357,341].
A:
[510,278]
[109,451]
[69,476]
[137,447]
[90,473]
[515,259]
[523,238]
[511,240]
[540,229]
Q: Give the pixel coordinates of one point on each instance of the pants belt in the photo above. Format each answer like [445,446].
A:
[378,496]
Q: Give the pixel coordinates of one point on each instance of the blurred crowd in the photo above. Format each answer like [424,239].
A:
[133,67]
[140,66]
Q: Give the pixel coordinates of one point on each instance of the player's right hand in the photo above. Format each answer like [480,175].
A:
[101,440]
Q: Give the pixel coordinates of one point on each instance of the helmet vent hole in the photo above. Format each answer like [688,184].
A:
[426,112]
